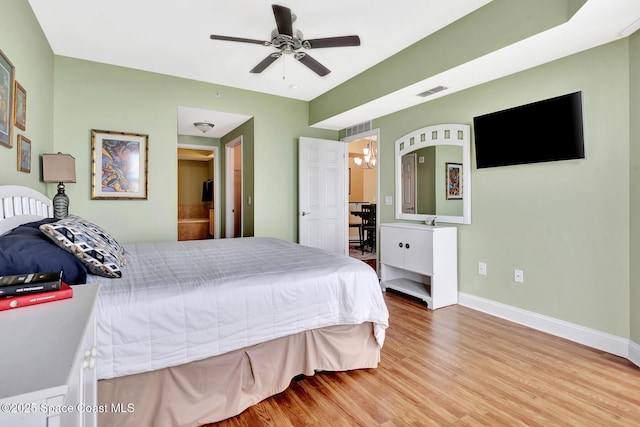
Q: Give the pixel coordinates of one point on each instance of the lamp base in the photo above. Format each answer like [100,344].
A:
[60,203]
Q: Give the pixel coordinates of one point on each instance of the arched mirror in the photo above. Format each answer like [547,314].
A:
[433,176]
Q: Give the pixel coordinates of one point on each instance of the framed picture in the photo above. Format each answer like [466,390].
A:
[20,107]
[118,165]
[454,181]
[7,80]
[24,154]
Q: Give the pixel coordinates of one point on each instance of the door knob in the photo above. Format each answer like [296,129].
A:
[305,213]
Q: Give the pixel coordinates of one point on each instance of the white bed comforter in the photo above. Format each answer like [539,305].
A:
[183,301]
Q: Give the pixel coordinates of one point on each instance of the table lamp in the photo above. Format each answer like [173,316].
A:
[59,168]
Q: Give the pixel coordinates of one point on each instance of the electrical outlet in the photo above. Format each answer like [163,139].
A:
[482,268]
[518,276]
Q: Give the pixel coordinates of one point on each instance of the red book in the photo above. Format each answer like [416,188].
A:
[7,303]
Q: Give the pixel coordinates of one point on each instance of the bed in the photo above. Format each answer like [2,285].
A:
[195,332]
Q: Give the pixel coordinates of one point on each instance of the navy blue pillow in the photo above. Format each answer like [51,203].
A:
[37,224]
[26,249]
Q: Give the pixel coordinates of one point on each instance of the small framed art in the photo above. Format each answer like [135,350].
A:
[24,154]
[118,165]
[7,81]
[454,181]
[20,107]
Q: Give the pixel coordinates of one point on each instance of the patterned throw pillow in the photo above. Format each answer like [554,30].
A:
[111,244]
[80,238]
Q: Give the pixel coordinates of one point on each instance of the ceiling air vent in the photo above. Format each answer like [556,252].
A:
[358,129]
[432,91]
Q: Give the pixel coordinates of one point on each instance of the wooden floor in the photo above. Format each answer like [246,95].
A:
[459,367]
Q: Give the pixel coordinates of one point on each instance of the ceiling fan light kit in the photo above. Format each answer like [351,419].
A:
[288,41]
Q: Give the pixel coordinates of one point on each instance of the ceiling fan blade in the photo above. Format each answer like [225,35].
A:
[314,65]
[265,63]
[239,39]
[284,21]
[332,42]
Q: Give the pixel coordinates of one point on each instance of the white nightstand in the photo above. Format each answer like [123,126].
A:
[48,361]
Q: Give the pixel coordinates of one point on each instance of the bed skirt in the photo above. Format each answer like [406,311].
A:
[223,386]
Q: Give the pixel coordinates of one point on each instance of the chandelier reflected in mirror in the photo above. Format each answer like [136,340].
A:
[369,156]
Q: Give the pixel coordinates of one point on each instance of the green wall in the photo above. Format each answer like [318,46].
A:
[446,154]
[493,26]
[425,181]
[90,95]
[566,224]
[634,190]
[198,140]
[22,41]
[246,130]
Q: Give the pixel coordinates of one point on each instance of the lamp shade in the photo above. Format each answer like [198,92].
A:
[58,168]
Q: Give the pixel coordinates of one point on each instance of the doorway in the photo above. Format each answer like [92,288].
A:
[233,188]
[198,192]
[362,211]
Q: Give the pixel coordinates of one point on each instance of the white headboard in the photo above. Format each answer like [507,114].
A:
[19,205]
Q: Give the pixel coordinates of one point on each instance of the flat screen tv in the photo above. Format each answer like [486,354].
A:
[542,131]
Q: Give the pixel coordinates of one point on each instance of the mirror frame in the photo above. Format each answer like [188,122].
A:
[442,134]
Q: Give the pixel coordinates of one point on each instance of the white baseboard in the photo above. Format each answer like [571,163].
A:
[576,333]
[634,353]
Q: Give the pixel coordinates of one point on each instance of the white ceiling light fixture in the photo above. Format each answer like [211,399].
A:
[370,155]
[204,127]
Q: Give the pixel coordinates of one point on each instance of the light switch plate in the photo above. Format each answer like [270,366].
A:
[388,200]
[518,276]
[482,268]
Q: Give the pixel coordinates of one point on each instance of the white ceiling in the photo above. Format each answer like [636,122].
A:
[223,122]
[172,37]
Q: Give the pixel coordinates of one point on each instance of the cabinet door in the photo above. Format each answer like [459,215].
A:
[82,382]
[419,253]
[392,246]
[89,374]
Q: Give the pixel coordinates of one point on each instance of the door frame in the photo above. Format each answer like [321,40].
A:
[216,181]
[347,140]
[229,157]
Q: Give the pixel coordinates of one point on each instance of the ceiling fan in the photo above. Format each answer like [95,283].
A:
[290,41]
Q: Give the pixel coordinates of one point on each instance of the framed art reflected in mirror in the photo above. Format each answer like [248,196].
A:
[454,181]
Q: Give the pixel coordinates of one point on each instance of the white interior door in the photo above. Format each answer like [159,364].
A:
[322,194]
